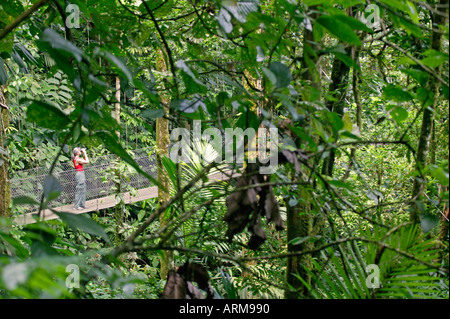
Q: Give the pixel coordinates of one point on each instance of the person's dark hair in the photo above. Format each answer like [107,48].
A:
[76,150]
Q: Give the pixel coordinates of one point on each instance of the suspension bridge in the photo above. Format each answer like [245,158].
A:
[100,183]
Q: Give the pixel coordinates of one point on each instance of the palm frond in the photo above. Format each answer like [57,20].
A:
[406,259]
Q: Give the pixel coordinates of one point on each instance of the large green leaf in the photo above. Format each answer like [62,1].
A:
[185,68]
[47,115]
[62,52]
[398,113]
[12,7]
[279,74]
[20,250]
[353,23]
[396,93]
[340,28]
[54,40]
[52,188]
[116,62]
[440,173]
[434,58]
[78,221]
[24,200]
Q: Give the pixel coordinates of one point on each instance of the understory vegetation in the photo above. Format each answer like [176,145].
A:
[343,196]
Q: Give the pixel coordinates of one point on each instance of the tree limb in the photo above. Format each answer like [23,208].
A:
[21,18]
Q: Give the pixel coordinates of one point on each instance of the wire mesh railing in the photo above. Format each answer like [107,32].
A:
[99,179]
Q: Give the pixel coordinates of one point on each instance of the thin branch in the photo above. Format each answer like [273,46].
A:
[242,260]
[62,13]
[417,61]
[166,46]
[282,33]
[129,241]
[10,27]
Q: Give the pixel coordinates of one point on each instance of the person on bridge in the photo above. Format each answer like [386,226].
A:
[79,158]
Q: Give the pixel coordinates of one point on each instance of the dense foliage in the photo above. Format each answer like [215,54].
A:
[358,90]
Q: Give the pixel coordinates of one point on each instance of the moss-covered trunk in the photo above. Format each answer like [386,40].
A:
[5,185]
[162,144]
[429,107]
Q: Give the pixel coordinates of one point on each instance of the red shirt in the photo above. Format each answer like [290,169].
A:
[78,167]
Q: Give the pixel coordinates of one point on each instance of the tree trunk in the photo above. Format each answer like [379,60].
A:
[120,204]
[357,99]
[5,185]
[117,104]
[337,89]
[299,217]
[428,112]
[162,144]
[299,225]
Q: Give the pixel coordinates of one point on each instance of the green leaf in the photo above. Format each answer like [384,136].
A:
[46,115]
[300,240]
[440,173]
[24,200]
[419,75]
[400,22]
[12,7]
[52,188]
[340,184]
[445,91]
[248,119]
[397,113]
[353,23]
[336,26]
[434,58]
[278,74]
[349,136]
[348,61]
[396,93]
[428,222]
[77,131]
[83,223]
[347,121]
[26,54]
[120,66]
[56,41]
[282,73]
[270,75]
[153,113]
[3,73]
[228,286]
[7,43]
[61,51]
[406,61]
[335,121]
[147,90]
[20,251]
[183,66]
